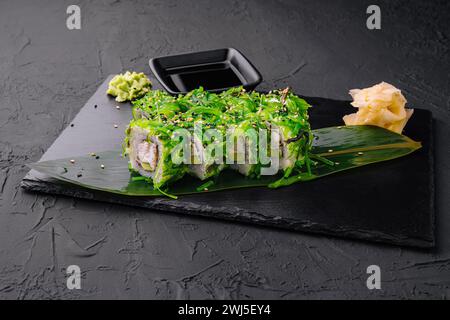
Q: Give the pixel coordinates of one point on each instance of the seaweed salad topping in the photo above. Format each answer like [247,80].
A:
[251,132]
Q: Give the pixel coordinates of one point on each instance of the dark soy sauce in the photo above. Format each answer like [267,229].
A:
[209,76]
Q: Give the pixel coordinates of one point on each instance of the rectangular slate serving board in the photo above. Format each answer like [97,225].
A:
[390,202]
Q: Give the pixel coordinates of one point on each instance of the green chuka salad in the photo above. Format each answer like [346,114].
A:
[251,132]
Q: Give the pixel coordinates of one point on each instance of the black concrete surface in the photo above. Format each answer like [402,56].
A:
[319,48]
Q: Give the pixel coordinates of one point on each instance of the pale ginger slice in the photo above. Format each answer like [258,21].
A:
[382,105]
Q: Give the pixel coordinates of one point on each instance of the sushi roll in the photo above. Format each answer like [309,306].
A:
[242,148]
[284,118]
[222,131]
[204,163]
[286,115]
[149,147]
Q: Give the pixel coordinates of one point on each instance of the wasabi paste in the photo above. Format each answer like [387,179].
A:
[129,86]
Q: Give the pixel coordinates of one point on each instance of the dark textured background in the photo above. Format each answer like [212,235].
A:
[319,48]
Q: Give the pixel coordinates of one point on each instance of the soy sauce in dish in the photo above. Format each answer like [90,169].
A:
[210,76]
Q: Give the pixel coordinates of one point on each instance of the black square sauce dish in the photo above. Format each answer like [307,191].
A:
[214,70]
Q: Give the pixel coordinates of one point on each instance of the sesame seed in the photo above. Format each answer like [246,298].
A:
[92,154]
[360,153]
[337,163]
[116,126]
[206,189]
[102,166]
[72,161]
[118,107]
[340,127]
[330,150]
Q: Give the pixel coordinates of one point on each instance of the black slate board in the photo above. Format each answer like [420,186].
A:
[390,202]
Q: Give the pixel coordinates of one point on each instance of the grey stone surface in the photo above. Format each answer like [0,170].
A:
[319,48]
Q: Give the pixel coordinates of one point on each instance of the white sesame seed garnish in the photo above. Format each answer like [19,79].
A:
[102,166]
[116,126]
[340,127]
[337,163]
[92,154]
[330,150]
[72,161]
[118,107]
[360,153]
[206,189]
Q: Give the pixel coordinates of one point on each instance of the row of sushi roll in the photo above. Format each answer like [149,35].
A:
[158,117]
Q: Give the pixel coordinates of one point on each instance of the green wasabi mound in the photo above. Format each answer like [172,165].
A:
[129,86]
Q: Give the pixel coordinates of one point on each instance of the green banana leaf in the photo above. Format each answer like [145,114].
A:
[343,148]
